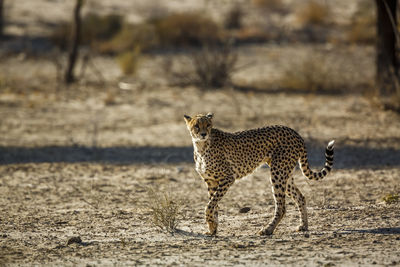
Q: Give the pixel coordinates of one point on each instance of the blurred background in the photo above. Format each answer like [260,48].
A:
[76,76]
[92,98]
[122,73]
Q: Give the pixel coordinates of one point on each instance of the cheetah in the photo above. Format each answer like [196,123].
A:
[223,157]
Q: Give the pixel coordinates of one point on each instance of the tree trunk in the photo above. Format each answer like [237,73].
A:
[1,18]
[73,51]
[386,61]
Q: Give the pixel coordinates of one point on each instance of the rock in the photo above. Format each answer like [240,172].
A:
[244,210]
[75,239]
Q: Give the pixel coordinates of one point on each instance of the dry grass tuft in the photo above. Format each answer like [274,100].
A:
[128,61]
[391,198]
[363,26]
[210,67]
[173,30]
[186,29]
[131,36]
[112,35]
[110,98]
[273,5]
[311,74]
[323,72]
[313,13]
[234,17]
[165,211]
[214,66]
[95,30]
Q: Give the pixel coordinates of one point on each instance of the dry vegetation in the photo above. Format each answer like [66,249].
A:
[313,13]
[165,210]
[76,162]
[362,28]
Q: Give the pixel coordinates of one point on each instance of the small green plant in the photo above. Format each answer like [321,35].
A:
[165,211]
[128,61]
[391,198]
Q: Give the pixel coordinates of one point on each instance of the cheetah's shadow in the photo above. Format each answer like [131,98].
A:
[378,231]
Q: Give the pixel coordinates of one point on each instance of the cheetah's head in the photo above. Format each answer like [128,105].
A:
[199,126]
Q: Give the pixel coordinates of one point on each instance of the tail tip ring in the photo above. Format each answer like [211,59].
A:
[331,144]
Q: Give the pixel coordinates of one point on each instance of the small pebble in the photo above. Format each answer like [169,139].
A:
[244,210]
[75,239]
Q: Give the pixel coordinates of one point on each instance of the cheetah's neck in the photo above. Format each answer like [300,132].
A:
[201,146]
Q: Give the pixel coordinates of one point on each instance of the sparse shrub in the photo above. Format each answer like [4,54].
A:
[308,74]
[186,29]
[324,72]
[254,35]
[95,29]
[389,101]
[165,212]
[109,34]
[234,17]
[61,35]
[110,99]
[128,61]
[391,198]
[3,83]
[363,25]
[315,73]
[214,66]
[210,67]
[273,5]
[313,13]
[143,35]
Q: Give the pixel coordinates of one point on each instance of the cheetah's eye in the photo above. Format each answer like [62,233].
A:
[197,127]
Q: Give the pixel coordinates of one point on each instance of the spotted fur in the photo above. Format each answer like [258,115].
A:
[223,157]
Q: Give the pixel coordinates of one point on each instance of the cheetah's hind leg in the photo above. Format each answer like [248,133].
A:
[293,192]
[278,180]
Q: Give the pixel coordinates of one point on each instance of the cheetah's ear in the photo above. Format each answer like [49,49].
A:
[187,118]
[210,115]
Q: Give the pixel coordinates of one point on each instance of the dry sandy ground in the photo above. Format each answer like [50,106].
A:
[77,167]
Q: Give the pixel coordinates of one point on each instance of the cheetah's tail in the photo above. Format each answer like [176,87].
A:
[305,168]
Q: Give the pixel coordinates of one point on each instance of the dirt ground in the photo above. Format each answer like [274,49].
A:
[79,162]
[76,167]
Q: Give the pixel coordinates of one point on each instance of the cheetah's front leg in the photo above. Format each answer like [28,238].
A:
[212,187]
[211,208]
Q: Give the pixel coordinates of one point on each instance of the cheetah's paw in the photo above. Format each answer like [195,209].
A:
[302,228]
[265,231]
